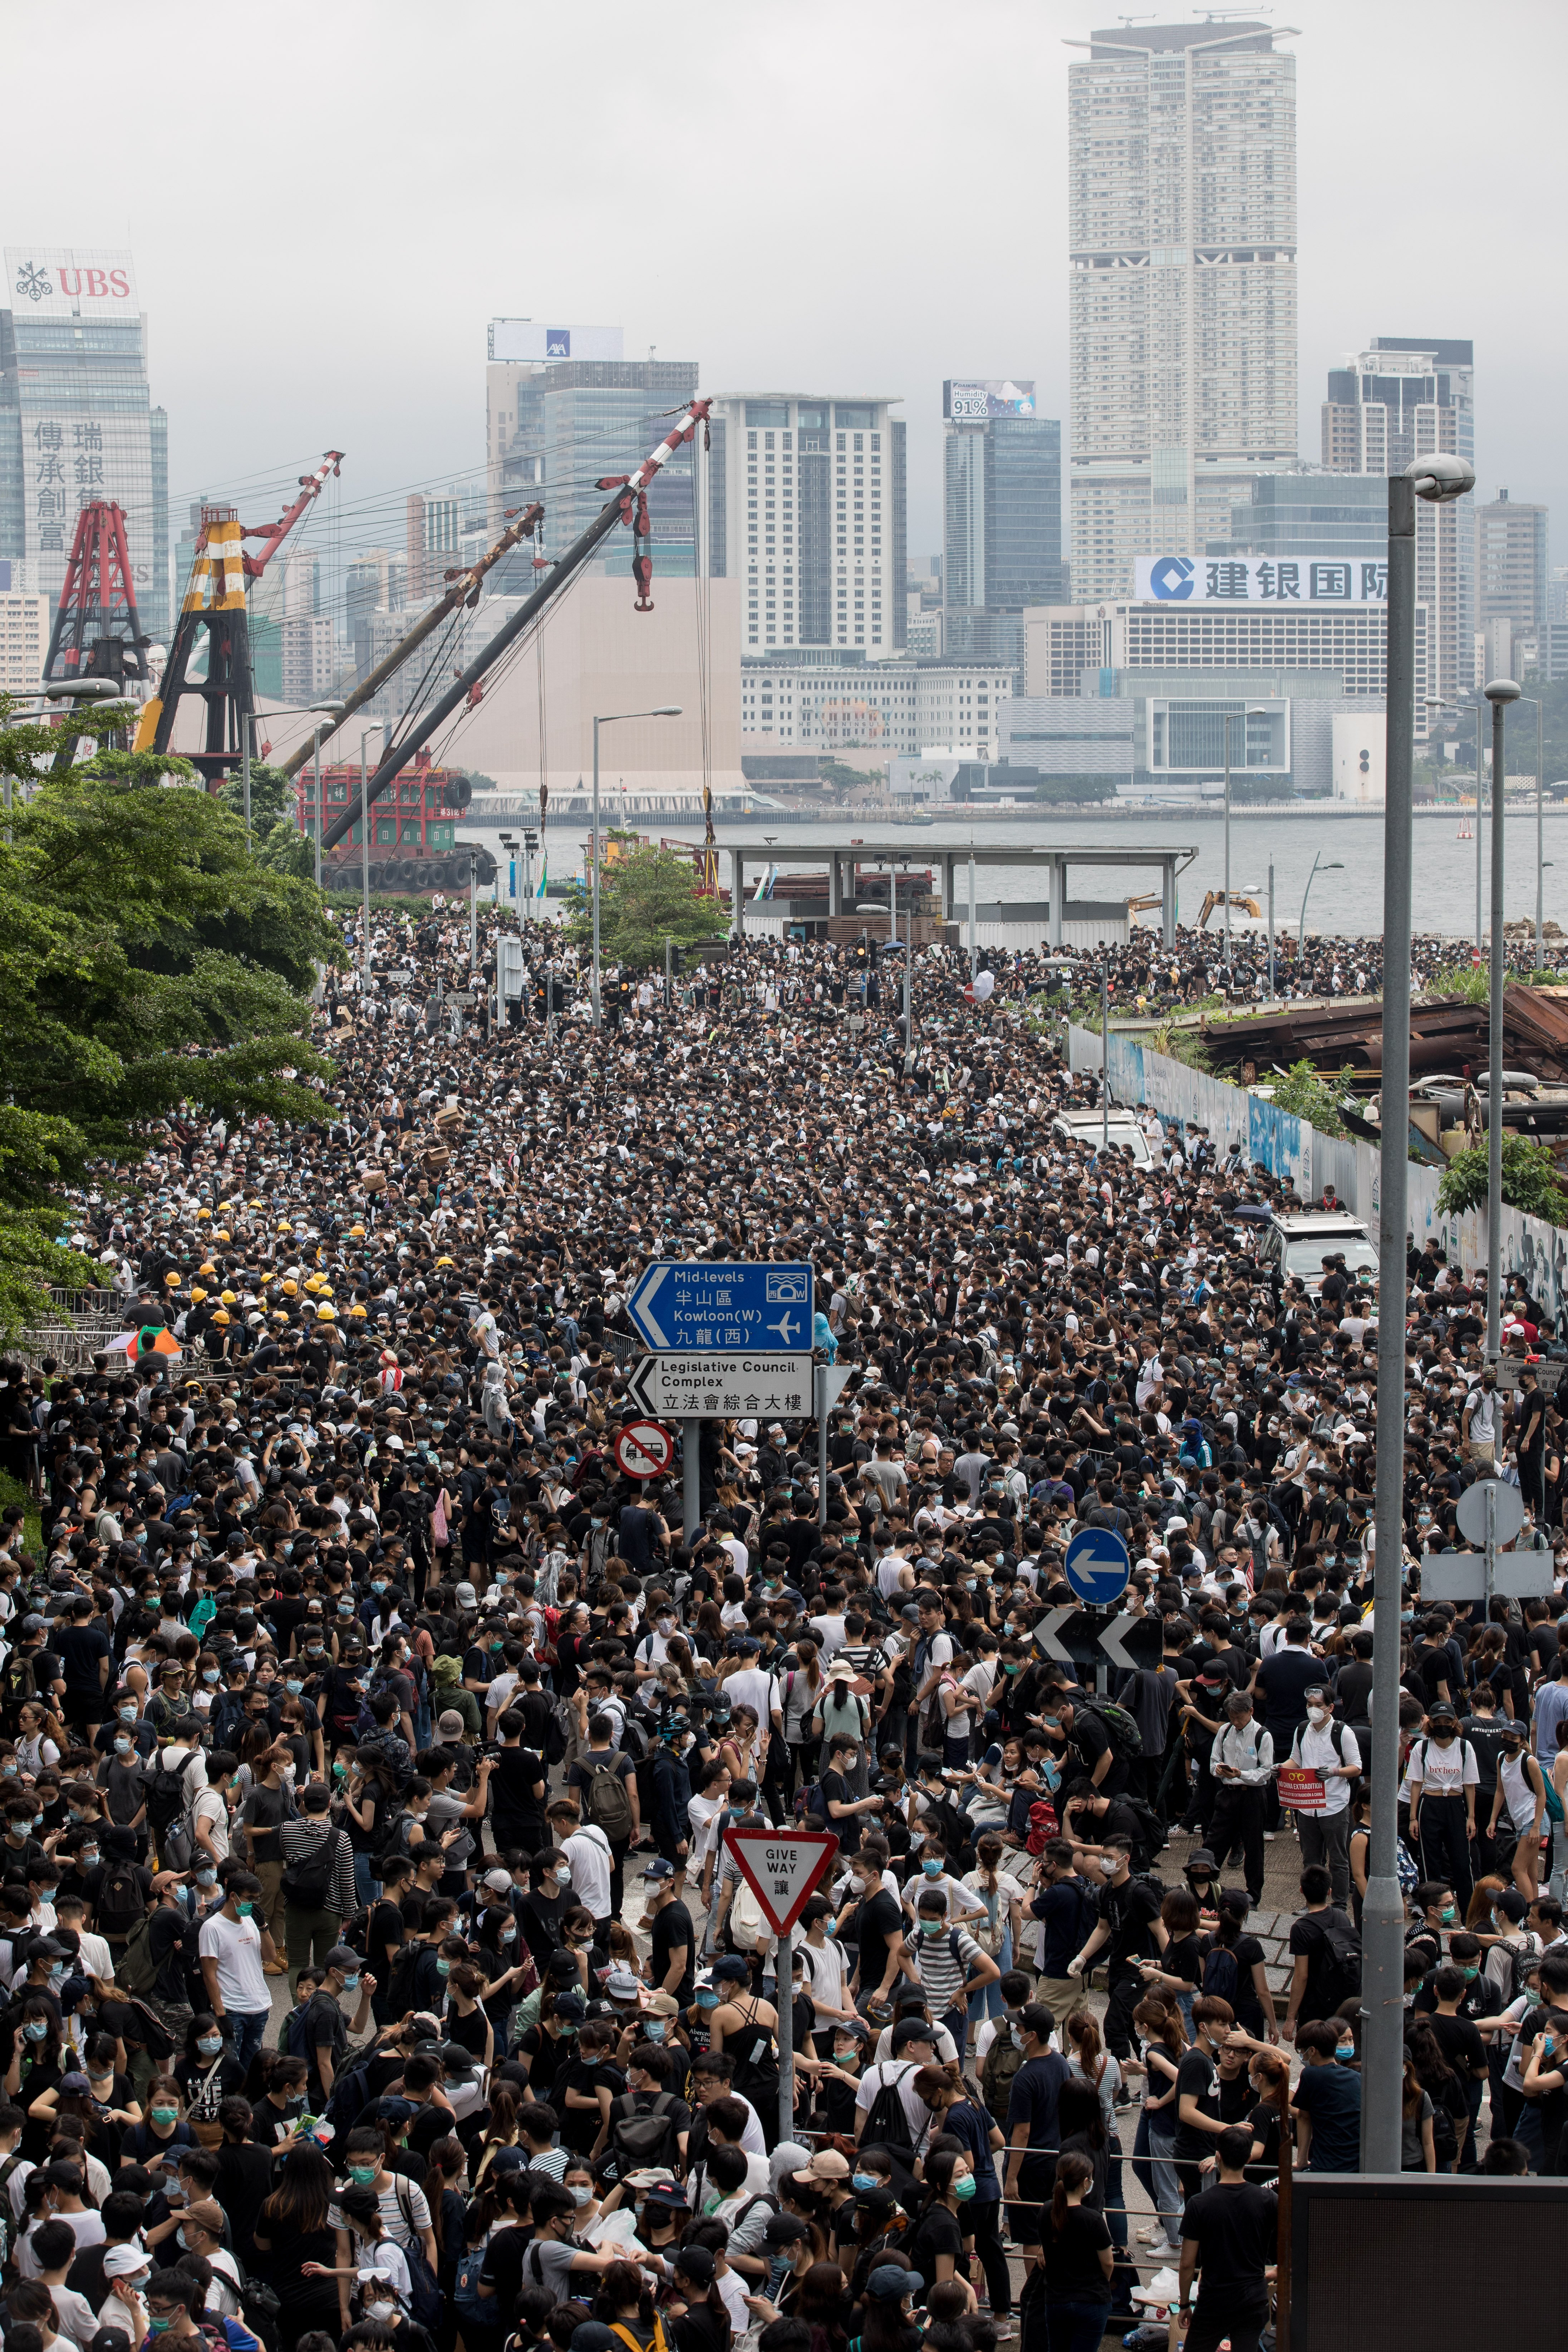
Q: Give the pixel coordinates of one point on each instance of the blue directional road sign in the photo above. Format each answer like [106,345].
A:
[718,1308]
[1098,1566]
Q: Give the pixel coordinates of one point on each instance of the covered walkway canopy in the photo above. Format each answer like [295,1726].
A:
[913,846]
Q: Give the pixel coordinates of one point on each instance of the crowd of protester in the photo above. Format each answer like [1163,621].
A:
[379,1969]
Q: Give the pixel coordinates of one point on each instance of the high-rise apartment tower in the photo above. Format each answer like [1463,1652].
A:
[1182,211]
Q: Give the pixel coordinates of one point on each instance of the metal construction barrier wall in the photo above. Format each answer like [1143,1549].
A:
[1294,1151]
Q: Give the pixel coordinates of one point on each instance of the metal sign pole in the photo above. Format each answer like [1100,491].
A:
[1489,1587]
[783,2002]
[690,1474]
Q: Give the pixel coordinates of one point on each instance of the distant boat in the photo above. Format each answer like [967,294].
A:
[1466,831]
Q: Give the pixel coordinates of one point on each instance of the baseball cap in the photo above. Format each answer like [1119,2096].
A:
[621,1985]
[889,2283]
[123,2261]
[731,1969]
[660,1868]
[450,1723]
[343,1956]
[498,1880]
[571,2005]
[784,2230]
[695,2263]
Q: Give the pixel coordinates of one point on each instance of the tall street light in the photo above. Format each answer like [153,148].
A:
[1249,710]
[1320,865]
[1540,825]
[1437,478]
[320,710]
[610,719]
[378,725]
[1500,692]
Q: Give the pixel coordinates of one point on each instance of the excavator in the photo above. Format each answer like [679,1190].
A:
[1245,899]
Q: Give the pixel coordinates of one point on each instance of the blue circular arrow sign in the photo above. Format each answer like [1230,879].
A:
[1098,1566]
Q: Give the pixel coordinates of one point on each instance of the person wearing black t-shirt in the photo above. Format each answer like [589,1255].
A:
[1198,2119]
[1131,1926]
[880,1933]
[935,2243]
[1228,2238]
[1078,2260]
[672,1961]
[517,1788]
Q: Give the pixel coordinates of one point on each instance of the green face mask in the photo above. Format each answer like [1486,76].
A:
[165,2116]
[361,2175]
[964,2188]
[1447,1914]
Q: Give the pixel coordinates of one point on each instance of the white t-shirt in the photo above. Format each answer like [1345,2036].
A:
[753,1688]
[236,1945]
[1443,1772]
[1320,1745]
[588,1851]
[212,1809]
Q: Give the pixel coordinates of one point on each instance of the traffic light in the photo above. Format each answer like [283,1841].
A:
[1365,760]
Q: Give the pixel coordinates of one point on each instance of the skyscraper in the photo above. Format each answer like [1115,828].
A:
[1002,516]
[807,506]
[1513,566]
[1182,210]
[579,420]
[517,350]
[1404,397]
[76,421]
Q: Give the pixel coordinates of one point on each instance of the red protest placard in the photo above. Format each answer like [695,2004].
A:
[781,1867]
[1300,1788]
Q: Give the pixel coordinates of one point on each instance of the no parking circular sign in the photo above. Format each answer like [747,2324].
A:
[643,1449]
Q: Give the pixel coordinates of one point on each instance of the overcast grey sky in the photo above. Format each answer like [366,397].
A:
[327,203]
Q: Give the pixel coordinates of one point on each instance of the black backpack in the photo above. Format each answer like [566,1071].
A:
[1222,1974]
[307,1881]
[1120,1728]
[886,2123]
[642,2137]
[121,1901]
[1343,1972]
[165,1797]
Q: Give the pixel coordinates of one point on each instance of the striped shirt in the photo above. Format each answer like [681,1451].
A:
[945,1961]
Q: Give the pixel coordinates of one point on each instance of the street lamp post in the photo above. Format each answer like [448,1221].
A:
[1438,479]
[610,719]
[1320,865]
[321,712]
[1500,692]
[1540,825]
[378,725]
[1249,710]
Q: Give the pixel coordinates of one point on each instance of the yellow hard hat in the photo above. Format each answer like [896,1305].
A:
[287,1226]
[219,1317]
[229,1299]
[256,1205]
[197,1295]
[201,1214]
[173,1281]
[327,1314]
[291,1287]
[445,1261]
[359,1313]
[356,1233]
[221,1234]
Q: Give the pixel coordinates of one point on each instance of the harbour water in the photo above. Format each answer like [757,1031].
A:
[1349,900]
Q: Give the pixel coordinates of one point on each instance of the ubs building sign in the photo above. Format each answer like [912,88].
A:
[78,417]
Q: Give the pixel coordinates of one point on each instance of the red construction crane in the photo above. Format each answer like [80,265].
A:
[96,632]
[215,601]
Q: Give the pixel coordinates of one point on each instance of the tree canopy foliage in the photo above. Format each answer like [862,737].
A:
[646,895]
[146,960]
[1530,1180]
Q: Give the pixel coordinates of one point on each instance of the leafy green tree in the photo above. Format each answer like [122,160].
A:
[145,961]
[1304,1092]
[645,897]
[1530,1180]
[1073,791]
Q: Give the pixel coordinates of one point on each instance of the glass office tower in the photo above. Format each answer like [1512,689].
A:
[77,418]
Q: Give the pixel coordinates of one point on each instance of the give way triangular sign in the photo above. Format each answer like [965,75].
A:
[781,1867]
